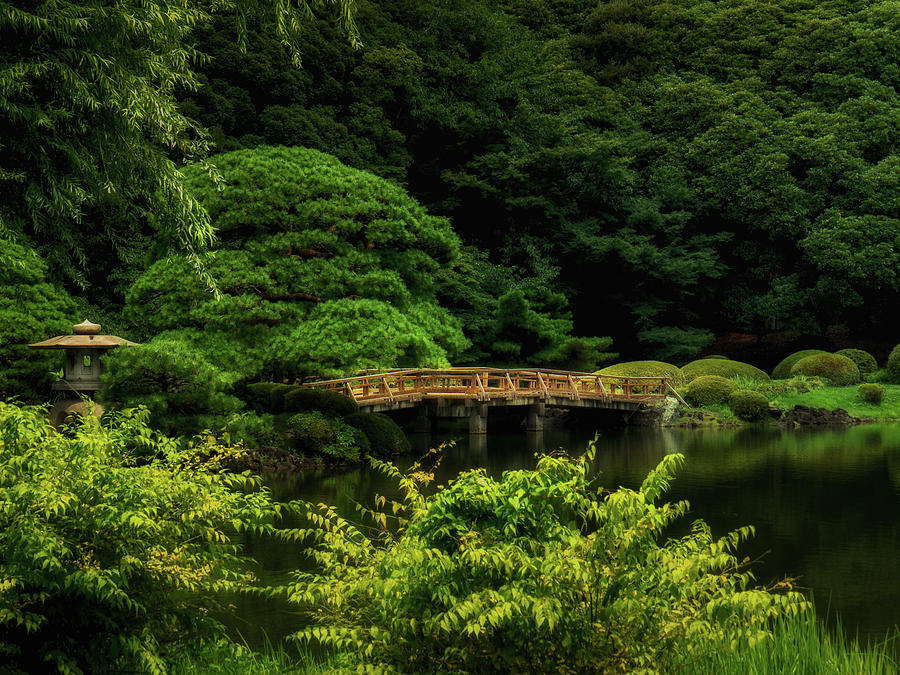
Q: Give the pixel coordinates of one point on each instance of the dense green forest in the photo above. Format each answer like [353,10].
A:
[549,171]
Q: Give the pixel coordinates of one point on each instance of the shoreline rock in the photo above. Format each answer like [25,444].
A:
[805,416]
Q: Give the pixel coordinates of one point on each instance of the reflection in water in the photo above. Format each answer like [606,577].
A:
[824,504]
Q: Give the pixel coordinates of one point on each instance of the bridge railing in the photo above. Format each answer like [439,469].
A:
[484,384]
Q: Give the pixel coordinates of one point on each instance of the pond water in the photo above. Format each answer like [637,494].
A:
[825,505]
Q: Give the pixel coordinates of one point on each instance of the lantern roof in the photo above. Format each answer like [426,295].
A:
[86,336]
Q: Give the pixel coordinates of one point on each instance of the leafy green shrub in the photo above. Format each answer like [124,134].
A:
[172,379]
[331,402]
[838,369]
[892,367]
[385,437]
[644,369]
[102,570]
[722,368]
[748,405]
[783,370]
[863,360]
[871,393]
[314,433]
[709,390]
[799,384]
[543,567]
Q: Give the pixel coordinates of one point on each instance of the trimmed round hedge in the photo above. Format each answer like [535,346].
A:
[385,437]
[315,433]
[709,390]
[275,397]
[892,369]
[838,369]
[748,405]
[783,370]
[644,369]
[863,360]
[871,393]
[304,398]
[722,368]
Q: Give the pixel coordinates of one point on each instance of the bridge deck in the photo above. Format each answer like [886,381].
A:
[495,385]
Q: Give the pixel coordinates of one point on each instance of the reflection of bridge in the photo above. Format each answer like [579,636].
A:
[469,392]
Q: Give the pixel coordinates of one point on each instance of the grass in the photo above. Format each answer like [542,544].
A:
[802,644]
[225,657]
[846,398]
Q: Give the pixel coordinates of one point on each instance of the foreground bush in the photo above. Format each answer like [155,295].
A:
[709,390]
[644,369]
[104,566]
[840,370]
[871,393]
[863,360]
[748,405]
[722,368]
[543,571]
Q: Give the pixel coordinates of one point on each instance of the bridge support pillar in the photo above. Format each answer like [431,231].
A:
[535,419]
[478,419]
[424,423]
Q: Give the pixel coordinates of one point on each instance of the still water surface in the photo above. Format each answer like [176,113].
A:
[825,504]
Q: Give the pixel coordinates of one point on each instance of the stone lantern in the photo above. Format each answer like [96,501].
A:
[83,366]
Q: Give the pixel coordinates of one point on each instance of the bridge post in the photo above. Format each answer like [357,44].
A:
[535,419]
[424,423]
[478,419]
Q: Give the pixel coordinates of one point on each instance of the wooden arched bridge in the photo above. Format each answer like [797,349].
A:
[469,392]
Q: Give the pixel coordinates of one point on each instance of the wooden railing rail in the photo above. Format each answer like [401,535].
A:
[484,384]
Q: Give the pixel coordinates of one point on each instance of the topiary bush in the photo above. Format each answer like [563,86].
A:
[863,360]
[385,437]
[783,370]
[722,368]
[314,433]
[892,367]
[276,397]
[259,395]
[748,405]
[330,402]
[871,393]
[840,370]
[709,390]
[644,369]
